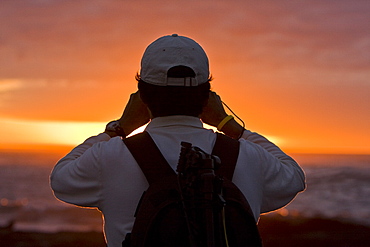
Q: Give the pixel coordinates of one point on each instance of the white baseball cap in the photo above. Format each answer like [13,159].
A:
[171,51]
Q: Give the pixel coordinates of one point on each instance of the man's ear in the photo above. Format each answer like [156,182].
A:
[205,101]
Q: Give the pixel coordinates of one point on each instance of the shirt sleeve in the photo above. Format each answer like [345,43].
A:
[282,177]
[76,177]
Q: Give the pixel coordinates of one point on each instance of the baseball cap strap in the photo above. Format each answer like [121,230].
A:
[184,81]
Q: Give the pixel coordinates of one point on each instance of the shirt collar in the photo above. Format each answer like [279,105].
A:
[177,120]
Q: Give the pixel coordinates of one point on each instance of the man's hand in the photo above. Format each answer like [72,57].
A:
[214,112]
[135,115]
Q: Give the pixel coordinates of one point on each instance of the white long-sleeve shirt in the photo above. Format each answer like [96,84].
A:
[102,173]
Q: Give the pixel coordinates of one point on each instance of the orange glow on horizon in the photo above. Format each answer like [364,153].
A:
[63,136]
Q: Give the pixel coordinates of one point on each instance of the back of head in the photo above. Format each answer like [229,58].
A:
[174,77]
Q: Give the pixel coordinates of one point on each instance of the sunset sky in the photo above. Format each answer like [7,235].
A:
[295,71]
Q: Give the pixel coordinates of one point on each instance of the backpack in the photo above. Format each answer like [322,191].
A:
[196,207]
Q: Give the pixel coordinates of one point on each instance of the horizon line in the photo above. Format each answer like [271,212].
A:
[63,148]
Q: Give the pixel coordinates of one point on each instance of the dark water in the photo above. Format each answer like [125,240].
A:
[338,187]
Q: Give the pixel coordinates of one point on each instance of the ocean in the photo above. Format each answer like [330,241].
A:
[338,188]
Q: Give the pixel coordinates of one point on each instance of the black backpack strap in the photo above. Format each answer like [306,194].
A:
[227,149]
[148,157]
[152,162]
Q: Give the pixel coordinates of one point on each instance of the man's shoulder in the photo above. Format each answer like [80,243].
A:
[251,148]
